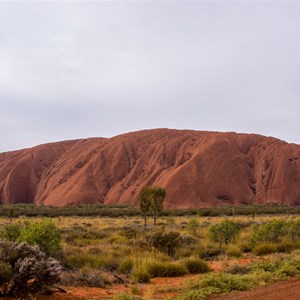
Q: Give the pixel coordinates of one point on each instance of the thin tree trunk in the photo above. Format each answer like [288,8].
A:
[145,221]
[155,219]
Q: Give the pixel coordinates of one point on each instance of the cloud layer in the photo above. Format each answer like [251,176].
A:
[81,69]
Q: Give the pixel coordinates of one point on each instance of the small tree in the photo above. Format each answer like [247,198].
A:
[157,203]
[145,203]
[151,200]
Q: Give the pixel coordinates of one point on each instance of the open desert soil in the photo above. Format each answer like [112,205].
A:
[282,290]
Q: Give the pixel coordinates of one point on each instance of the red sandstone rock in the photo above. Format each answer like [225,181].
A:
[198,169]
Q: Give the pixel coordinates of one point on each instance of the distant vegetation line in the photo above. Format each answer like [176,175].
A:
[30,210]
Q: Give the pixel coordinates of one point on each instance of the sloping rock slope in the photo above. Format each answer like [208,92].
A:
[198,169]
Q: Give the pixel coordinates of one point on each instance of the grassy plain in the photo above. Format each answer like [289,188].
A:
[111,251]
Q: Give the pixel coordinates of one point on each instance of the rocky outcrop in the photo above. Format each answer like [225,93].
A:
[198,169]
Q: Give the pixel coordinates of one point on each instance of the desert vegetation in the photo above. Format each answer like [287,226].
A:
[212,254]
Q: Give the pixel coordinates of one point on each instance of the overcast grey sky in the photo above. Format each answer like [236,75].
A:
[80,69]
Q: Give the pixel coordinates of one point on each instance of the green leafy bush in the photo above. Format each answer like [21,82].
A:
[44,234]
[224,232]
[225,283]
[11,231]
[271,231]
[292,229]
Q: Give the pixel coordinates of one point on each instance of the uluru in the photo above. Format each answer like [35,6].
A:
[197,169]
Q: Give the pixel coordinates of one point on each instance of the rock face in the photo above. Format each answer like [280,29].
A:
[198,169]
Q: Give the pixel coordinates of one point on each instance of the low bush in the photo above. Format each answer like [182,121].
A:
[245,247]
[233,251]
[196,265]
[166,242]
[225,283]
[292,229]
[210,251]
[225,232]
[264,249]
[140,275]
[166,269]
[270,232]
[238,269]
[11,231]
[25,269]
[266,265]
[44,234]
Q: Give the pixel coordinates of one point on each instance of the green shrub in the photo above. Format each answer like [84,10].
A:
[238,269]
[225,232]
[166,269]
[266,265]
[210,251]
[11,232]
[44,234]
[225,283]
[264,249]
[196,266]
[166,242]
[292,229]
[289,268]
[270,232]
[140,275]
[199,293]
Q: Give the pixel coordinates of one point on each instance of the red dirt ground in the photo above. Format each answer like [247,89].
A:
[162,288]
[282,290]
